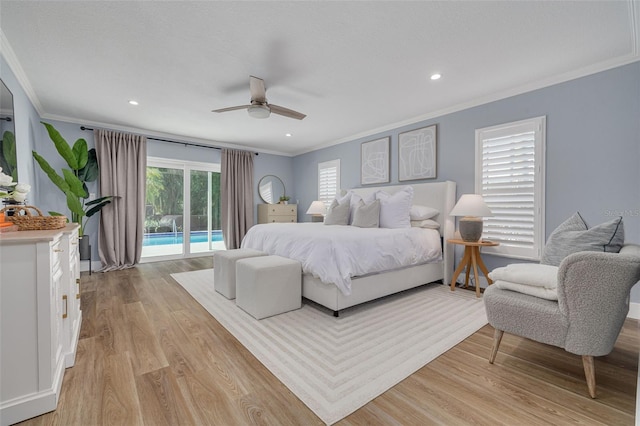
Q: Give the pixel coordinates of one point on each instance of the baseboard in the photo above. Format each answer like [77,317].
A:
[634,310]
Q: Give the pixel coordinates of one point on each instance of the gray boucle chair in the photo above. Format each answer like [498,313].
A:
[593,302]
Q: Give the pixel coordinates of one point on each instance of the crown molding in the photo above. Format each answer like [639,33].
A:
[9,55]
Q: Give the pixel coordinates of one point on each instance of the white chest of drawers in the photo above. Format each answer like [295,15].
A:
[40,319]
[268,213]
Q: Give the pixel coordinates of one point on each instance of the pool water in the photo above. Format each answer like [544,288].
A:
[167,238]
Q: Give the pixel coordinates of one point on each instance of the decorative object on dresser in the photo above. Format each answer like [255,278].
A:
[317,210]
[269,213]
[473,208]
[40,318]
[30,222]
[417,154]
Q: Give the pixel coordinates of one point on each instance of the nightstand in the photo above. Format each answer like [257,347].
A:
[471,259]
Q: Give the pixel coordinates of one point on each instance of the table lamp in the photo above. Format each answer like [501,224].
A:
[473,208]
[317,211]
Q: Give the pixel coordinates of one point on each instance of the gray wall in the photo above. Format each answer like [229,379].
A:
[593,150]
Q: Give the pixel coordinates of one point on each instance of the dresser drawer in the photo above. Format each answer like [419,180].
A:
[277,213]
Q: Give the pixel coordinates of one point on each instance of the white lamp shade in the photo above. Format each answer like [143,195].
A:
[471,205]
[316,208]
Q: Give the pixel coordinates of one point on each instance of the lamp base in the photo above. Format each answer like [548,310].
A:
[317,218]
[470,229]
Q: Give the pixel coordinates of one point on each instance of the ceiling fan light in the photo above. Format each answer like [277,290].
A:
[259,111]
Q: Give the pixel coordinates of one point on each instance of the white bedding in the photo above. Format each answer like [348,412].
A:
[335,253]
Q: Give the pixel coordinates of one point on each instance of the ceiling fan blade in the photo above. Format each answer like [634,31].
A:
[231,108]
[286,112]
[258,92]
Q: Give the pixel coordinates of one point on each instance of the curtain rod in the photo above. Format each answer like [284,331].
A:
[169,141]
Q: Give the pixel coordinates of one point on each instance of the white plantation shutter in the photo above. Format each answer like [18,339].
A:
[328,181]
[510,177]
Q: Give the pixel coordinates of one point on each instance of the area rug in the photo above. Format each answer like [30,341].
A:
[337,365]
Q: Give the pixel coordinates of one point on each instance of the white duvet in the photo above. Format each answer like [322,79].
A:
[335,253]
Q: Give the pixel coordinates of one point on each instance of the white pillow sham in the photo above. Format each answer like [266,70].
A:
[395,208]
[418,212]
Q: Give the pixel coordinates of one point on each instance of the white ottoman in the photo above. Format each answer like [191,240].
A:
[268,285]
[224,269]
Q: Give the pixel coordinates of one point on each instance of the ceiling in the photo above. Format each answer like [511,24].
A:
[355,68]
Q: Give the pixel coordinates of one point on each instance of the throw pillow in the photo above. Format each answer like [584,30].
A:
[422,212]
[394,209]
[338,214]
[367,215]
[573,236]
[355,202]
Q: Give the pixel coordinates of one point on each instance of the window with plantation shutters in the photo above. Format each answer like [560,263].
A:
[328,181]
[510,177]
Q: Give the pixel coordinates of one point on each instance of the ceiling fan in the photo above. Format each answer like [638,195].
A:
[259,107]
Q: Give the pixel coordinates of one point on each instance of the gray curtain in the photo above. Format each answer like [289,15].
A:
[236,193]
[122,159]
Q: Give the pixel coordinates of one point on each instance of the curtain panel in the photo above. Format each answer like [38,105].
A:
[122,158]
[236,193]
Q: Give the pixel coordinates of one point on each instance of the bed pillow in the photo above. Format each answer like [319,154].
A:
[367,215]
[573,236]
[338,214]
[355,202]
[422,212]
[427,224]
[394,209]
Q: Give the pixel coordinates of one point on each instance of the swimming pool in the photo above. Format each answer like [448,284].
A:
[167,238]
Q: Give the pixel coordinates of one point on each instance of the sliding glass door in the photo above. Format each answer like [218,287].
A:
[182,209]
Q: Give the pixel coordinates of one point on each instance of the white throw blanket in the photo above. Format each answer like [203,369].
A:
[528,278]
[335,253]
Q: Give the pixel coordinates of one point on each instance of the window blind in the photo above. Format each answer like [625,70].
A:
[328,181]
[508,176]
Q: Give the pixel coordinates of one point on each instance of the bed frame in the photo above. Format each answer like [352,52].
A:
[439,195]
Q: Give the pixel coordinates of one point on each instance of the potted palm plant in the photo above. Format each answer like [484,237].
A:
[83,168]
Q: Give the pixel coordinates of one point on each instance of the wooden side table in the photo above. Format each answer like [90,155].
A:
[470,259]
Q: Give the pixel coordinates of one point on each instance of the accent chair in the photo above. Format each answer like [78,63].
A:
[593,301]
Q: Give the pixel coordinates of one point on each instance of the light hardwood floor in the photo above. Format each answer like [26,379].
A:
[149,354]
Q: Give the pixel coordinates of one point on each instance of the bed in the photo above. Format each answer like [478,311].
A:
[333,292]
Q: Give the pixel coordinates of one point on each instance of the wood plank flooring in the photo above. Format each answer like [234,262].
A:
[151,355]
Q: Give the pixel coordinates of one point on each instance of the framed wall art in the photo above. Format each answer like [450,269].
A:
[374,161]
[417,154]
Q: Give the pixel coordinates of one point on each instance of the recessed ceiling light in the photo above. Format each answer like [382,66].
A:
[435,76]
[288,135]
[132,102]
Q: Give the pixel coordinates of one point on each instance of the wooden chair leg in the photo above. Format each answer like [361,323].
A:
[497,338]
[590,374]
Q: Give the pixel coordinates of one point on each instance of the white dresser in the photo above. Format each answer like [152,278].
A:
[40,318]
[268,213]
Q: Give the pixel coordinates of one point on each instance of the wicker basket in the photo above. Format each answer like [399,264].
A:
[29,222]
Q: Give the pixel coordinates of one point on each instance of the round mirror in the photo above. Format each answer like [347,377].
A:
[271,189]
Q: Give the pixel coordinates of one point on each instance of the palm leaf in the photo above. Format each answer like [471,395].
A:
[62,146]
